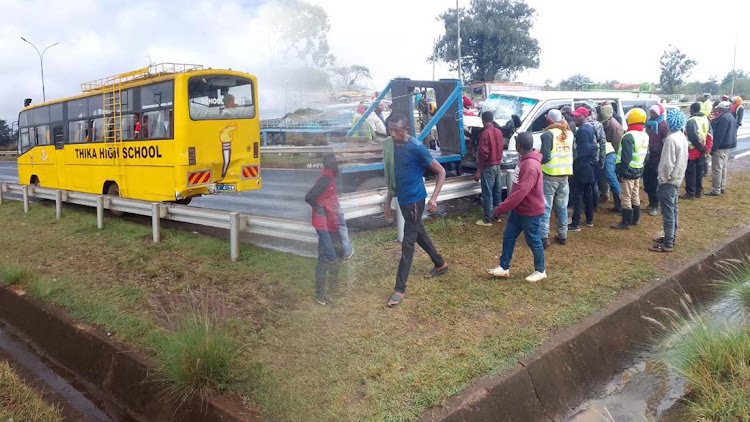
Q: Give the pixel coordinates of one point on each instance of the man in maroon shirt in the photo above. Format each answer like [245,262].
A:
[489,156]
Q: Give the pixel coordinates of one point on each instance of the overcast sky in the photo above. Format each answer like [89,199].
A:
[622,40]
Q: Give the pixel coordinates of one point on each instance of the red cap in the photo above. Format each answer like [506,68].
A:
[581,111]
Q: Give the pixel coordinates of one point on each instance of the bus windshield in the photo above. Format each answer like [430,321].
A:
[220,97]
[504,106]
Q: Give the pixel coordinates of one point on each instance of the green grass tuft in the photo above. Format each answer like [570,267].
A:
[197,358]
[715,360]
[735,284]
[14,274]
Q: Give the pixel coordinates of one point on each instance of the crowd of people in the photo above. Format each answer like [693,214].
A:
[585,156]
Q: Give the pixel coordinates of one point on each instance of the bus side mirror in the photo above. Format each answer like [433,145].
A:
[26,102]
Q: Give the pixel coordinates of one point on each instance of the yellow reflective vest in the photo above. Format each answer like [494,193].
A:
[640,149]
[707,107]
[703,126]
[561,157]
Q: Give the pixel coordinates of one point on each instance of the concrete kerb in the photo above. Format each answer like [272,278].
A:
[122,374]
[568,368]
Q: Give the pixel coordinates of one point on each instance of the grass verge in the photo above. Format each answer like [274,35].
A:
[18,402]
[357,360]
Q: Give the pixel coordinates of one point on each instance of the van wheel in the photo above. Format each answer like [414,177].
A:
[114,190]
[375,221]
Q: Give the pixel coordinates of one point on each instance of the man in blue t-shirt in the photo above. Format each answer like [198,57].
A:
[408,164]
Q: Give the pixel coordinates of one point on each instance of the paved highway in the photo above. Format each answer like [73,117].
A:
[283,191]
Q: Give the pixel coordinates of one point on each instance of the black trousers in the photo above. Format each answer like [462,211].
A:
[583,195]
[694,177]
[414,232]
[651,182]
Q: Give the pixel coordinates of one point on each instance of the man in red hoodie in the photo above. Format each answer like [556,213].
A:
[526,207]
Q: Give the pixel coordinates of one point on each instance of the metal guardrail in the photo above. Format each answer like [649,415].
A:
[8,153]
[360,204]
[233,221]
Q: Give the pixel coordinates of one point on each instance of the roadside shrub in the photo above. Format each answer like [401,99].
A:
[715,360]
[735,284]
[14,274]
[196,359]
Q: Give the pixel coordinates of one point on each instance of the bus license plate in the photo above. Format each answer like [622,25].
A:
[225,188]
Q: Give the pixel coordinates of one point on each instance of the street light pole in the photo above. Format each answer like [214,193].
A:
[41,63]
[458,25]
[734,63]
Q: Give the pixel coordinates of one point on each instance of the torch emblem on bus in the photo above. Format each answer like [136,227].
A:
[225,136]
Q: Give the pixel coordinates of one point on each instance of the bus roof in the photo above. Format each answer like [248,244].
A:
[140,81]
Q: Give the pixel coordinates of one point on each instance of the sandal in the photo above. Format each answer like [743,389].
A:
[660,248]
[395,300]
[437,271]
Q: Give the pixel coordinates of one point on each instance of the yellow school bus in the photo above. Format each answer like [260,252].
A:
[167,132]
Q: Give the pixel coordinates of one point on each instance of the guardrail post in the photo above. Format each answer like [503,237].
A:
[58,204]
[156,221]
[234,235]
[25,199]
[399,221]
[100,212]
[2,188]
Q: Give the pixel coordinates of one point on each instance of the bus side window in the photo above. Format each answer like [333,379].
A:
[58,134]
[157,124]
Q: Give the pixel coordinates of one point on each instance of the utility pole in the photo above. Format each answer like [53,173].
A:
[434,47]
[41,63]
[458,25]
[734,63]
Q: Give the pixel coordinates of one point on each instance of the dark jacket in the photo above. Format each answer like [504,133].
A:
[613,131]
[725,132]
[527,195]
[584,164]
[623,170]
[739,114]
[656,141]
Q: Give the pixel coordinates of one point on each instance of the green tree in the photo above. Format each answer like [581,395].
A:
[675,66]
[303,31]
[575,82]
[348,76]
[495,39]
[6,134]
[738,74]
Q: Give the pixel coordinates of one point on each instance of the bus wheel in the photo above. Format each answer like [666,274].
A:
[112,189]
[34,181]
[375,221]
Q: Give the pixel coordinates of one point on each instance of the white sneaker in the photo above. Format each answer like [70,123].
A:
[499,272]
[536,276]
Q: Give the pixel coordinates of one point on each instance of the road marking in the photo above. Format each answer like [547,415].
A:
[744,154]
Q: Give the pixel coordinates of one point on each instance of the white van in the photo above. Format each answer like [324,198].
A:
[532,106]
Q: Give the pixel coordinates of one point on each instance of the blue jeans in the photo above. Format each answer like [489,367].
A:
[555,196]
[530,226]
[346,244]
[667,194]
[492,190]
[327,269]
[609,167]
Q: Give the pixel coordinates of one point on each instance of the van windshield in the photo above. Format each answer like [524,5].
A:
[503,106]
